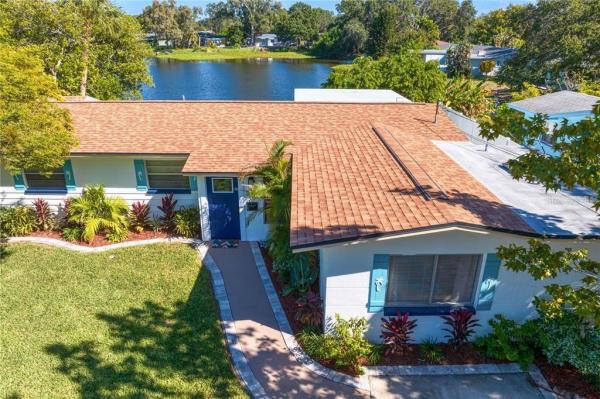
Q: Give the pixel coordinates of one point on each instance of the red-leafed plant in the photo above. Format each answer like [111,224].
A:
[140,216]
[461,326]
[309,310]
[167,207]
[397,333]
[43,214]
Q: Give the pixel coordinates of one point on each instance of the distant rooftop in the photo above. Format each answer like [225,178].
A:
[560,102]
[349,96]
[562,213]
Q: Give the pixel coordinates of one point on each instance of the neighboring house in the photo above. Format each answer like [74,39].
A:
[569,106]
[206,37]
[478,53]
[153,39]
[405,213]
[266,40]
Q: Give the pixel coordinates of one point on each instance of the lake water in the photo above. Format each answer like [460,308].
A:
[247,79]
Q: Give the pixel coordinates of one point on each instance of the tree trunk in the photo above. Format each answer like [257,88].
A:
[85,59]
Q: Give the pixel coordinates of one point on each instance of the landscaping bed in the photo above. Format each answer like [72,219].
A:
[133,322]
[100,239]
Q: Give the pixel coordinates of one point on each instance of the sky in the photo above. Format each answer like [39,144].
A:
[136,6]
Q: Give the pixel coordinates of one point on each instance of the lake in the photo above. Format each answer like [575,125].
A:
[243,79]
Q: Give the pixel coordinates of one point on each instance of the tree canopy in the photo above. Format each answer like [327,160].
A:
[35,133]
[175,25]
[90,46]
[302,24]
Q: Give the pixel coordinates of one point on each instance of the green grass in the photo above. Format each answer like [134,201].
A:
[138,322]
[205,53]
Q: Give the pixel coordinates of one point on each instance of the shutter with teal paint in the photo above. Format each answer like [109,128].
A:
[140,175]
[69,176]
[489,282]
[19,181]
[193,183]
[378,284]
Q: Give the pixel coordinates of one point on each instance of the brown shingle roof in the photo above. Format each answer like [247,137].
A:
[346,183]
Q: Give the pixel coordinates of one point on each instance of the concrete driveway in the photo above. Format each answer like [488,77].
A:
[492,386]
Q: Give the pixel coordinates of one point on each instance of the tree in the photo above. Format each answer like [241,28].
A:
[235,35]
[303,23]
[528,91]
[442,13]
[406,73]
[577,163]
[354,37]
[35,133]
[465,15]
[487,66]
[383,35]
[160,19]
[467,97]
[502,27]
[90,46]
[187,20]
[253,14]
[458,60]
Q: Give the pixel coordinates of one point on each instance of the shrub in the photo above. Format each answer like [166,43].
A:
[187,222]
[18,220]
[511,341]
[431,351]
[139,216]
[95,213]
[397,333]
[487,66]
[296,270]
[571,340]
[309,310]
[44,217]
[461,326]
[344,345]
[167,207]
[72,233]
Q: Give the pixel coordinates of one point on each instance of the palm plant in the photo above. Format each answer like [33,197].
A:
[96,213]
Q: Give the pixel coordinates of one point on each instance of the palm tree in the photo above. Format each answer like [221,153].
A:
[94,212]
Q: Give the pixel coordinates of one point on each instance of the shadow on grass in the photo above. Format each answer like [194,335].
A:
[151,345]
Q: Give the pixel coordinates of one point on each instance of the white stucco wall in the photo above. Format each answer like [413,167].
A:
[346,268]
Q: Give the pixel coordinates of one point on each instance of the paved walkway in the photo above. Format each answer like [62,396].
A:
[277,370]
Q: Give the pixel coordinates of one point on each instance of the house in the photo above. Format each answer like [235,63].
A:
[478,53]
[404,212]
[565,105]
[266,40]
[206,37]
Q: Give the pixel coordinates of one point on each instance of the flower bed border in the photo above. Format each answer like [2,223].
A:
[85,248]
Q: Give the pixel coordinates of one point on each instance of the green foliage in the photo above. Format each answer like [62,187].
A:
[487,66]
[528,91]
[344,344]
[502,27]
[18,220]
[91,47]
[406,73]
[235,35]
[511,341]
[94,213]
[302,24]
[35,133]
[72,233]
[176,25]
[468,97]
[590,87]
[187,222]
[560,38]
[431,351]
[571,340]
[458,60]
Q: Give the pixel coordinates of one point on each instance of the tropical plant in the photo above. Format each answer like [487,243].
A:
[431,351]
[467,97]
[528,91]
[43,214]
[511,341]
[487,66]
[72,233]
[167,207]
[309,310]
[139,216]
[187,222]
[396,333]
[458,60]
[18,220]
[461,326]
[96,213]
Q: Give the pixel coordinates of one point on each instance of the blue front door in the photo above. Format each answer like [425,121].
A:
[223,207]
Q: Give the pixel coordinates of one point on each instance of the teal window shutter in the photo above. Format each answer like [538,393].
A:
[378,284]
[19,181]
[69,176]
[140,174]
[193,183]
[489,282]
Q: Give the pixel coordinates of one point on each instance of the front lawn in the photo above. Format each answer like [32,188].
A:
[205,53]
[138,322]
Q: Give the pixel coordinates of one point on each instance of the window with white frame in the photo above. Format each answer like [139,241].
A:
[36,180]
[166,175]
[431,280]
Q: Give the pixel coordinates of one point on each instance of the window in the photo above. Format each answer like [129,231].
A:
[37,181]
[166,175]
[431,280]
[222,185]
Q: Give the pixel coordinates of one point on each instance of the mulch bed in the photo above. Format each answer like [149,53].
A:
[100,240]
[564,379]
